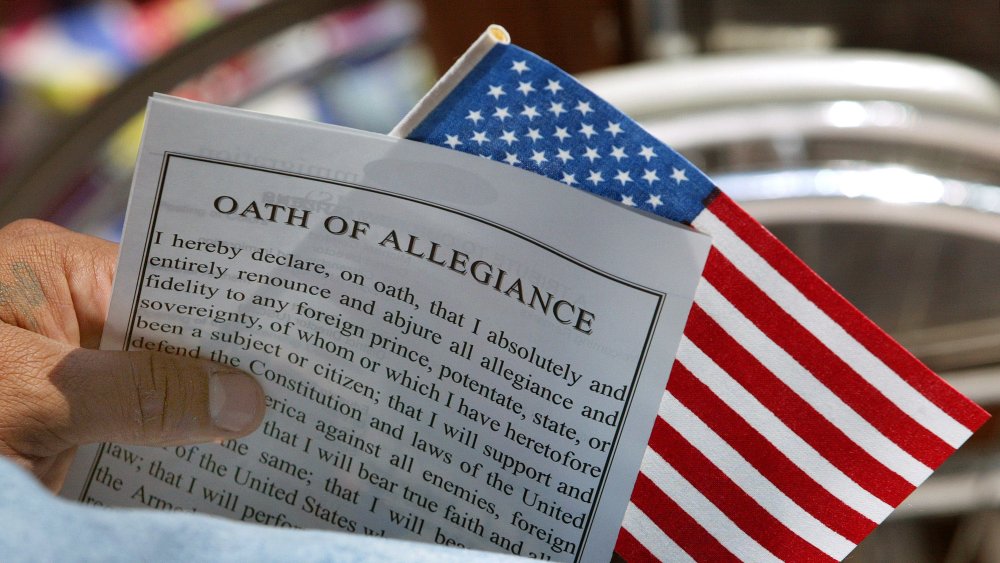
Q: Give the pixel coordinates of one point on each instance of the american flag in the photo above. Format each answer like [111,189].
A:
[790,425]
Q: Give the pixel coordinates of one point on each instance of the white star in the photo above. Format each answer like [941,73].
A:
[556,108]
[538,157]
[533,134]
[583,107]
[475,116]
[496,92]
[501,114]
[568,179]
[588,130]
[525,88]
[614,129]
[520,66]
[654,201]
[623,176]
[530,112]
[509,137]
[511,158]
[627,200]
[480,137]
[452,141]
[679,175]
[591,154]
[650,176]
[647,152]
[564,155]
[595,177]
[561,132]
[554,86]
[618,153]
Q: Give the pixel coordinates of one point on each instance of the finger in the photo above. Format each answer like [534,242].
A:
[54,281]
[81,396]
[156,399]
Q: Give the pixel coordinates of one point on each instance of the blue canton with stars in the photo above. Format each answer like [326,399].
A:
[518,108]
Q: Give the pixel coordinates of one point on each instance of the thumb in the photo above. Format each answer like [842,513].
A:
[153,399]
[140,398]
[158,399]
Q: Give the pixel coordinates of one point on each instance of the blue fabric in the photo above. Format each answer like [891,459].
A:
[37,526]
[518,108]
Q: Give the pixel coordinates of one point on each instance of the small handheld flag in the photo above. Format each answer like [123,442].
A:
[791,425]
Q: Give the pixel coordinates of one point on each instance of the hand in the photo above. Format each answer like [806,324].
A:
[56,394]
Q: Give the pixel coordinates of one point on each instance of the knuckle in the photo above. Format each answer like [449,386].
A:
[31,240]
[147,394]
[29,256]
[165,399]
[29,228]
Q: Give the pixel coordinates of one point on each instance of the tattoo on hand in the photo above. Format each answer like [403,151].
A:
[24,294]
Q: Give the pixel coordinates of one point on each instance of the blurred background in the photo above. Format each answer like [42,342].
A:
[865,135]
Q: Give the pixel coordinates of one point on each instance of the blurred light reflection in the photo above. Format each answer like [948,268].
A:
[890,184]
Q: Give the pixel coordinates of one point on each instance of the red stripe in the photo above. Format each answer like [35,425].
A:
[849,318]
[766,458]
[735,503]
[863,397]
[629,548]
[677,524]
[800,417]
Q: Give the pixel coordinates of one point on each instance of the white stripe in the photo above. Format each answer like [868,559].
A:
[861,360]
[746,477]
[826,402]
[647,533]
[797,450]
[706,514]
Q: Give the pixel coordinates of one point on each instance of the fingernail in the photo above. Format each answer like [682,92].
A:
[234,401]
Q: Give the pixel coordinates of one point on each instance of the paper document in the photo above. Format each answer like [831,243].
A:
[454,350]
